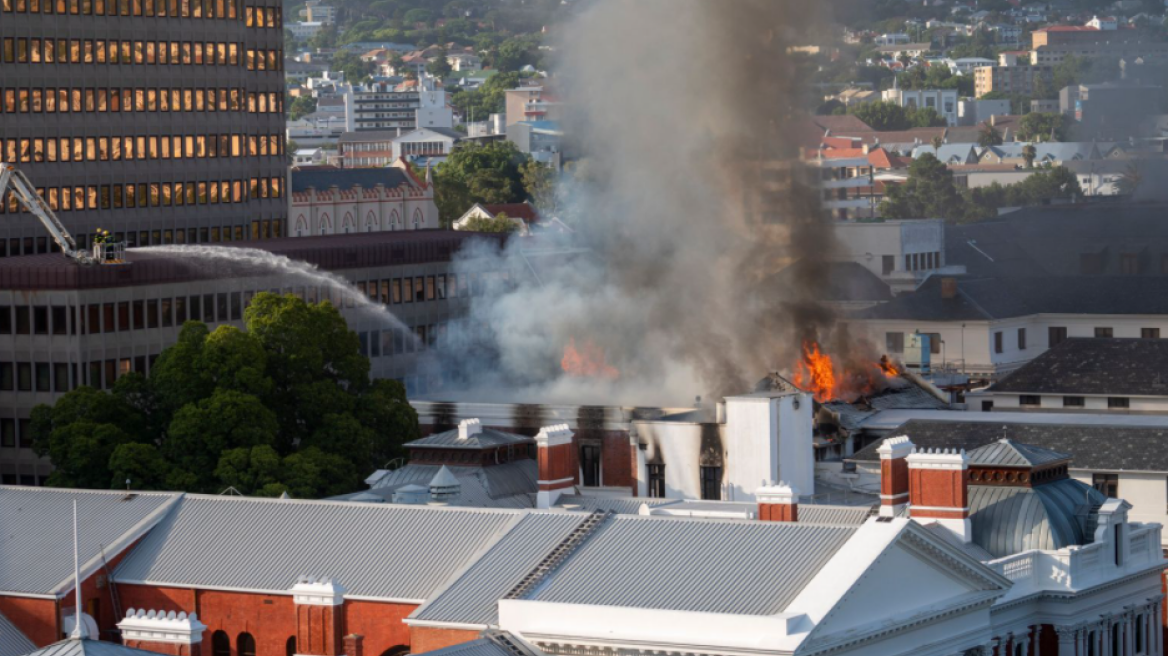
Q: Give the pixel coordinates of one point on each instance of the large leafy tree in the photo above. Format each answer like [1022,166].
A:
[286,405]
[1040,126]
[929,192]
[490,173]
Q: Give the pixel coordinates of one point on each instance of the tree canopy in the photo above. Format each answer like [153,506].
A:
[883,116]
[477,173]
[1042,126]
[501,223]
[287,406]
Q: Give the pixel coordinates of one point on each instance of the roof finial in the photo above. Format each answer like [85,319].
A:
[79,632]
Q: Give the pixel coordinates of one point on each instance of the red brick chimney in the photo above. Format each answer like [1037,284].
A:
[177,634]
[894,474]
[354,645]
[938,481]
[778,503]
[319,609]
[558,468]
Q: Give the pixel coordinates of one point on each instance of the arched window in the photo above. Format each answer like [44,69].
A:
[220,644]
[400,650]
[245,645]
[418,219]
[290,646]
[301,226]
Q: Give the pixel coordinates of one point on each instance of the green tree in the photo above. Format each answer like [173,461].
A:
[414,16]
[925,117]
[286,405]
[301,107]
[397,62]
[1040,126]
[475,173]
[512,55]
[539,180]
[1029,152]
[325,38]
[881,115]
[349,63]
[988,136]
[490,98]
[929,192]
[440,67]
[501,223]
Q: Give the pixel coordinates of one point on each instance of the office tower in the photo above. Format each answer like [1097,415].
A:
[160,120]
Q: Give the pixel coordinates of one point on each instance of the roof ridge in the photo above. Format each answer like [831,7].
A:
[387,507]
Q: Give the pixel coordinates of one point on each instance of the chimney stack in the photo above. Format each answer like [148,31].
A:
[558,469]
[938,483]
[894,474]
[948,287]
[162,632]
[468,427]
[319,604]
[778,503]
[354,645]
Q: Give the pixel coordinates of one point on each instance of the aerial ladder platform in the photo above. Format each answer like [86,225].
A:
[14,181]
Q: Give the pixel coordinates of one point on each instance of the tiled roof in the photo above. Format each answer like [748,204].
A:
[1091,447]
[472,596]
[12,641]
[322,179]
[263,545]
[715,566]
[523,211]
[36,542]
[1113,367]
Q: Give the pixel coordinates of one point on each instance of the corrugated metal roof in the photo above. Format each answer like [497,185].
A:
[12,641]
[1009,520]
[486,438]
[473,597]
[36,543]
[1007,453]
[699,565]
[808,513]
[480,647]
[383,551]
[89,648]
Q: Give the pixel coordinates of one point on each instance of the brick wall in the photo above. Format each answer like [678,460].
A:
[938,488]
[271,619]
[36,618]
[424,638]
[618,459]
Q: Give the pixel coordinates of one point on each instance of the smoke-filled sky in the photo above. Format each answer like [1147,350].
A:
[681,111]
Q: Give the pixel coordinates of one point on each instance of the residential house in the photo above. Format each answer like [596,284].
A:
[897,51]
[524,215]
[308,157]
[532,103]
[893,39]
[966,65]
[943,101]
[901,253]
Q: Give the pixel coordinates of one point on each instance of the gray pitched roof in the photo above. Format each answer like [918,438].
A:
[1091,447]
[71,647]
[1007,453]
[36,544]
[1002,298]
[621,505]
[12,641]
[717,566]
[472,596]
[1009,520]
[1051,240]
[486,438]
[1112,367]
[493,643]
[323,179]
[265,544]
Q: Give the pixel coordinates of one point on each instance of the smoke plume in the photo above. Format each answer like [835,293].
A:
[682,112]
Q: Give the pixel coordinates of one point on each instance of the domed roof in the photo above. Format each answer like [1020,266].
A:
[1006,520]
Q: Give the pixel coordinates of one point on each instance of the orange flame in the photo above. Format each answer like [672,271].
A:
[587,361]
[888,367]
[815,373]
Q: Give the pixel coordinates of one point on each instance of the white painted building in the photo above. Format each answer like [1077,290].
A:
[431,143]
[308,157]
[944,101]
[304,31]
[901,252]
[891,39]
[845,181]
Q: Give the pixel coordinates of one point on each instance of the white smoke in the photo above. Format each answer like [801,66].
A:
[672,104]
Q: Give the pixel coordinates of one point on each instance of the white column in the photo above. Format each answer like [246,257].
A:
[1156,636]
[1068,640]
[1024,641]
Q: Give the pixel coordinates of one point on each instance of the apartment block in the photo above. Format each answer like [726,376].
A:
[1009,79]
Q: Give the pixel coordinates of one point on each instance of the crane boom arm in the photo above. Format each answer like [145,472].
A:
[14,180]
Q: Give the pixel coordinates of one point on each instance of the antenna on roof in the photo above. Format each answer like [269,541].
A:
[78,626]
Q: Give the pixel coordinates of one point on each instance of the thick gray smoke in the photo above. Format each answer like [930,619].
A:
[687,200]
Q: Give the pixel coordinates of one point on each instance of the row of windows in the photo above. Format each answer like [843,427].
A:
[117,149]
[1113,402]
[150,8]
[23,50]
[102,100]
[155,194]
[1058,334]
[922,261]
[257,229]
[270,17]
[418,289]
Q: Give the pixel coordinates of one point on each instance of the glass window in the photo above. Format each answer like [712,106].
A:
[1073,402]
[1056,335]
[656,481]
[711,483]
[1030,400]
[1118,402]
[1108,484]
[1103,332]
